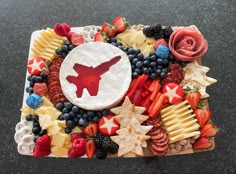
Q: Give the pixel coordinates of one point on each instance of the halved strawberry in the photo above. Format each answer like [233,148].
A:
[109,29]
[193,96]
[203,116]
[120,24]
[77,39]
[90,148]
[202,143]
[91,129]
[209,130]
[100,37]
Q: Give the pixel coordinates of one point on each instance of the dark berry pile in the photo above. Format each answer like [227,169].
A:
[37,130]
[35,79]
[104,145]
[65,49]
[157,31]
[75,116]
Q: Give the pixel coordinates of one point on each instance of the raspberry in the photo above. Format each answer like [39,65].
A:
[72,153]
[42,146]
[76,135]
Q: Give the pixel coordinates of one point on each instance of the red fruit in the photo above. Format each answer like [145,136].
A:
[203,116]
[79,146]
[41,89]
[66,27]
[120,24]
[72,153]
[69,35]
[109,29]
[174,92]
[91,129]
[209,130]
[76,135]
[36,65]
[42,146]
[108,125]
[99,37]
[90,148]
[160,42]
[61,29]
[193,97]
[77,39]
[202,143]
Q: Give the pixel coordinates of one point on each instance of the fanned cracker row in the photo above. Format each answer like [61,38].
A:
[46,44]
[179,122]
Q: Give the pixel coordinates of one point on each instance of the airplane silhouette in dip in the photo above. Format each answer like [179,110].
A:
[89,77]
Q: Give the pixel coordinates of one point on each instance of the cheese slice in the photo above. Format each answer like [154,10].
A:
[183,136]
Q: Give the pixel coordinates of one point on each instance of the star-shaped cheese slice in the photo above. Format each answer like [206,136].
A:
[36,65]
[171,93]
[109,124]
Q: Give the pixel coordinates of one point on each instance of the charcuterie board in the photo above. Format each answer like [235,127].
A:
[116,91]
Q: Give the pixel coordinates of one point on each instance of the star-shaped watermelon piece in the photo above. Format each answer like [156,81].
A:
[36,65]
[108,125]
[174,92]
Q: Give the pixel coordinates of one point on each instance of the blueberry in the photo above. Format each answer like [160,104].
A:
[131,57]
[137,50]
[66,42]
[42,132]
[90,113]
[147,58]
[75,109]
[64,110]
[67,130]
[133,67]
[81,121]
[113,39]
[140,56]
[145,70]
[153,64]
[85,115]
[70,123]
[134,75]
[95,119]
[58,51]
[36,124]
[146,62]
[159,66]
[159,61]
[162,75]
[36,130]
[63,55]
[105,112]
[138,70]
[29,78]
[72,114]
[158,71]
[28,117]
[153,76]
[134,61]
[153,57]
[44,76]
[81,111]
[165,70]
[79,116]
[131,51]
[152,53]
[61,117]
[64,48]
[31,84]
[59,106]
[35,117]
[139,64]
[120,47]
[68,105]
[76,120]
[71,47]
[165,62]
[35,138]
[67,116]
[85,123]
[115,44]
[99,114]
[30,90]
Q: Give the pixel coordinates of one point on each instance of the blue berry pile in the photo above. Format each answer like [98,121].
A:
[65,49]
[75,116]
[35,79]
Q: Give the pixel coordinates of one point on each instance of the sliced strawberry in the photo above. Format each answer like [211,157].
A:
[203,116]
[202,143]
[90,148]
[99,37]
[174,92]
[77,39]
[76,135]
[209,130]
[108,125]
[120,24]
[91,129]
[193,96]
[160,42]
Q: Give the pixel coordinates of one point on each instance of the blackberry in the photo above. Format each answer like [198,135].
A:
[167,31]
[106,143]
[113,148]
[98,140]
[156,28]
[101,154]
[158,35]
[148,31]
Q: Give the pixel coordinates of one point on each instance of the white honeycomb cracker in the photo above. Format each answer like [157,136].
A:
[88,32]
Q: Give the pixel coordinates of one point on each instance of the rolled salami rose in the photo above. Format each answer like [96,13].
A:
[187,44]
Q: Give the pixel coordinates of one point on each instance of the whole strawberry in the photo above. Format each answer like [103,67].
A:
[193,96]
[203,115]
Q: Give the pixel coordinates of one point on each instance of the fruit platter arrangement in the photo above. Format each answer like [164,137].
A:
[116,90]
